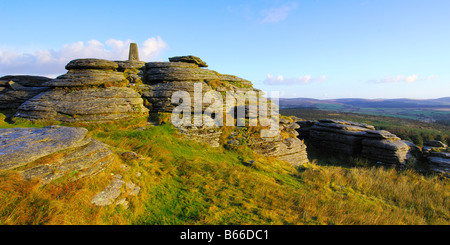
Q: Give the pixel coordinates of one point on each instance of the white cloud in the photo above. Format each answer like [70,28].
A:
[52,62]
[151,48]
[403,79]
[274,15]
[281,80]
[432,77]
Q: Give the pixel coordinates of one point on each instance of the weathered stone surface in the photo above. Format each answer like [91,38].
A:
[434,143]
[305,129]
[338,136]
[110,193]
[343,122]
[385,151]
[132,189]
[165,78]
[438,157]
[179,74]
[88,159]
[162,65]
[291,150]
[335,142]
[414,151]
[69,151]
[381,134]
[87,77]
[392,145]
[11,99]
[159,96]
[25,80]
[204,134]
[130,64]
[271,143]
[15,93]
[189,59]
[19,146]
[100,64]
[90,105]
[235,79]
[440,165]
[358,139]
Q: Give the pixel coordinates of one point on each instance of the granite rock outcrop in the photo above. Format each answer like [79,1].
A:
[358,139]
[51,152]
[15,90]
[97,90]
[437,155]
[93,90]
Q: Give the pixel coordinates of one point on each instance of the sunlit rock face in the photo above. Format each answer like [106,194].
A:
[93,90]
[75,152]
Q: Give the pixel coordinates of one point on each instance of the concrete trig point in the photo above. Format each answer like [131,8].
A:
[134,53]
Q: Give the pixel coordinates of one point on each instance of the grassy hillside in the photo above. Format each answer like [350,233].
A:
[185,182]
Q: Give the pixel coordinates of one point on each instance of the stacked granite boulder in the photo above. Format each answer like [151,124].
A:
[339,136]
[133,71]
[15,90]
[51,152]
[92,91]
[304,129]
[186,74]
[282,144]
[437,154]
[359,139]
[384,147]
[182,73]
[285,146]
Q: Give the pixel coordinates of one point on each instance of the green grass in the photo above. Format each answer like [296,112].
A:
[186,182]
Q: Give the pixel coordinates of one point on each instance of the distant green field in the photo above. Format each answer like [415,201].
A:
[426,115]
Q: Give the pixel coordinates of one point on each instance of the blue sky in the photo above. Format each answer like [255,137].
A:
[302,48]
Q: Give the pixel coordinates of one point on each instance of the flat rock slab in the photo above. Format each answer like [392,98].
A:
[189,59]
[92,64]
[158,65]
[130,64]
[87,105]
[343,122]
[381,134]
[86,77]
[434,143]
[26,80]
[180,74]
[79,161]
[12,99]
[19,146]
[110,193]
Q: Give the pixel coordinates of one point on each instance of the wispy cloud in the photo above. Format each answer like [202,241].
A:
[274,15]
[52,62]
[403,79]
[281,80]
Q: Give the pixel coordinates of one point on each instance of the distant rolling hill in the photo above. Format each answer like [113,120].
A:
[423,110]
